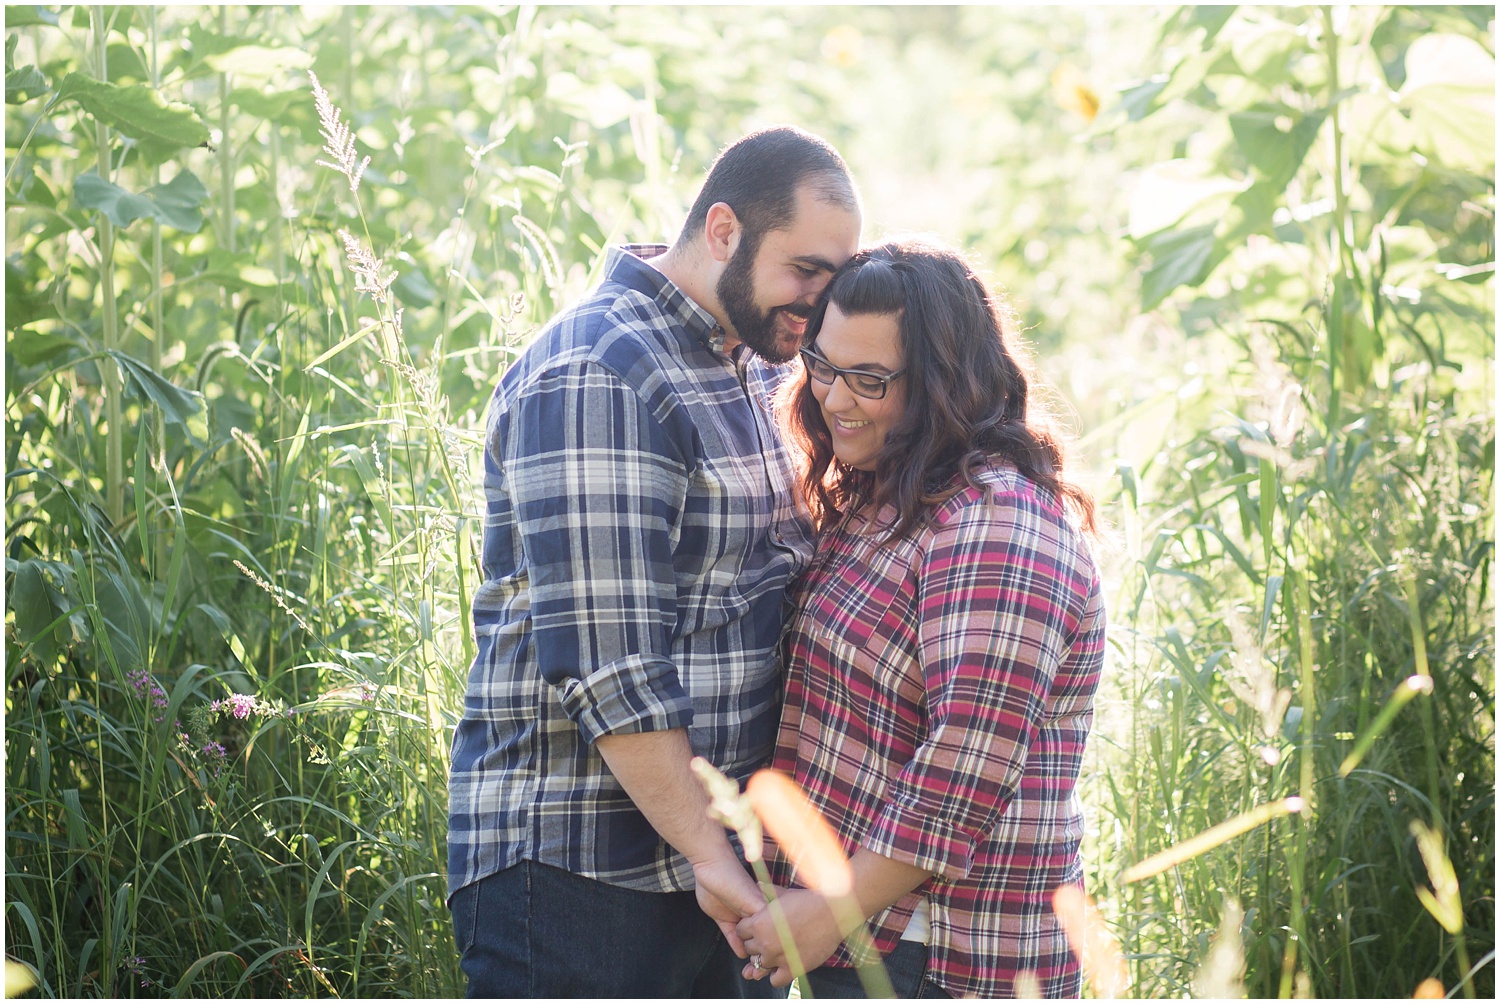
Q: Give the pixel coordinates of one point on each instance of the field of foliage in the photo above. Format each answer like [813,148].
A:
[264,265]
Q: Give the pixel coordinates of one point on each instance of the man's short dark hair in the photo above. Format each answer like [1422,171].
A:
[759,175]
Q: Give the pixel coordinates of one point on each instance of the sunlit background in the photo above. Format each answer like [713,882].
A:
[1250,251]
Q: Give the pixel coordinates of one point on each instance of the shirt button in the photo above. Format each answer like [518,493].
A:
[780,539]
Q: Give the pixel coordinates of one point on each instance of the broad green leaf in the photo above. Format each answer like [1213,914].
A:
[1449,95]
[117,18]
[178,200]
[24,303]
[207,41]
[412,285]
[1212,17]
[137,111]
[1250,212]
[264,104]
[32,348]
[1275,139]
[1265,49]
[11,41]
[35,616]
[259,61]
[26,15]
[1139,100]
[182,408]
[1178,258]
[1168,191]
[23,84]
[123,208]
[174,203]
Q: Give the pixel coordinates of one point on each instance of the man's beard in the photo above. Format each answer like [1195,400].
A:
[754,327]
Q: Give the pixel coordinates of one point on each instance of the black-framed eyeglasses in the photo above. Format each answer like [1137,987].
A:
[868,385]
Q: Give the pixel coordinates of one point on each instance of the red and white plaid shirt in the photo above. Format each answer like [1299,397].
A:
[940,690]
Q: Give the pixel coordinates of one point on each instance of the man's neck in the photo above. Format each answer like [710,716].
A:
[684,267]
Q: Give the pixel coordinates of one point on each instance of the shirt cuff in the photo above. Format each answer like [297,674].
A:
[639,693]
[910,835]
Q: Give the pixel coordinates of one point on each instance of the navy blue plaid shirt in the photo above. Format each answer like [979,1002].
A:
[639,539]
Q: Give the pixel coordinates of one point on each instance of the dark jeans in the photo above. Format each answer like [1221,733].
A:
[906,966]
[537,931]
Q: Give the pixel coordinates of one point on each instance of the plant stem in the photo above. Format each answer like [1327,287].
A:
[114,443]
[1342,255]
[226,154]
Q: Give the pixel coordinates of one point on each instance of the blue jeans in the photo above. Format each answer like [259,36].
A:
[906,966]
[537,931]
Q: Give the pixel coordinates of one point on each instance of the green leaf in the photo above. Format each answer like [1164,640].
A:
[264,104]
[32,348]
[116,18]
[1178,258]
[182,408]
[26,15]
[1212,17]
[259,61]
[1449,95]
[1139,100]
[174,203]
[1275,139]
[178,200]
[23,84]
[35,618]
[137,111]
[123,208]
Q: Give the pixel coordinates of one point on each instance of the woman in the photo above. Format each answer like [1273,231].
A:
[947,646]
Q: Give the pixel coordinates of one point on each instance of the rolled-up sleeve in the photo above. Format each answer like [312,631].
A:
[991,635]
[597,486]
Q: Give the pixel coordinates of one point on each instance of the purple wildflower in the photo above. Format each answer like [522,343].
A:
[240,705]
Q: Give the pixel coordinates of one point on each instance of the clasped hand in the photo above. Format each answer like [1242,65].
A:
[814,931]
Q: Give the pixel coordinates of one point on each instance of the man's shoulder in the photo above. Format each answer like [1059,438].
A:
[614,327]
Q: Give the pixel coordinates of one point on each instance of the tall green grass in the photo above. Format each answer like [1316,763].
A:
[1303,601]
[240,496]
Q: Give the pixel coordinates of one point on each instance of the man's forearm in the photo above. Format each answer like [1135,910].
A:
[653,769]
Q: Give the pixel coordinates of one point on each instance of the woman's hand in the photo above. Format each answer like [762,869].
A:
[813,927]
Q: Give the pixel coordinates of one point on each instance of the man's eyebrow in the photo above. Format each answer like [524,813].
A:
[816,262]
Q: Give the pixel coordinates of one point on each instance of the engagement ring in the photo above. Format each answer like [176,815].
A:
[755,961]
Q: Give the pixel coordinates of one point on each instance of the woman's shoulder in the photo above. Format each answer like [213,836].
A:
[998,490]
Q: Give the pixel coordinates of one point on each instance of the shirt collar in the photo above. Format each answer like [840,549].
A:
[627,264]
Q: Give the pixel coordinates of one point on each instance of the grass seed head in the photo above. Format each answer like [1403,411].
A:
[805,835]
[1097,950]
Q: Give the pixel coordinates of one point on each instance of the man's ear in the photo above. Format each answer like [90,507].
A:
[721,231]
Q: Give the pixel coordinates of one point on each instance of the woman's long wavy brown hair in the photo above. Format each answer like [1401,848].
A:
[967,394]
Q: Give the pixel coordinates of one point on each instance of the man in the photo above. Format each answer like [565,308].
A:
[639,539]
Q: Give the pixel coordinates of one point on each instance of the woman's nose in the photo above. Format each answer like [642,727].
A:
[839,397]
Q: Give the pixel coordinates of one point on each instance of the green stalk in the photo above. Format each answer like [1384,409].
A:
[1342,252]
[158,321]
[1429,732]
[778,917]
[114,443]
[226,153]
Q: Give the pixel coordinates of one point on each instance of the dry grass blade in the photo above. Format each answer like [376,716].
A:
[804,834]
[1097,950]
[1210,838]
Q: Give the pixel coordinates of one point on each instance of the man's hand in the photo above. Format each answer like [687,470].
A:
[653,769]
[813,927]
[727,894]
